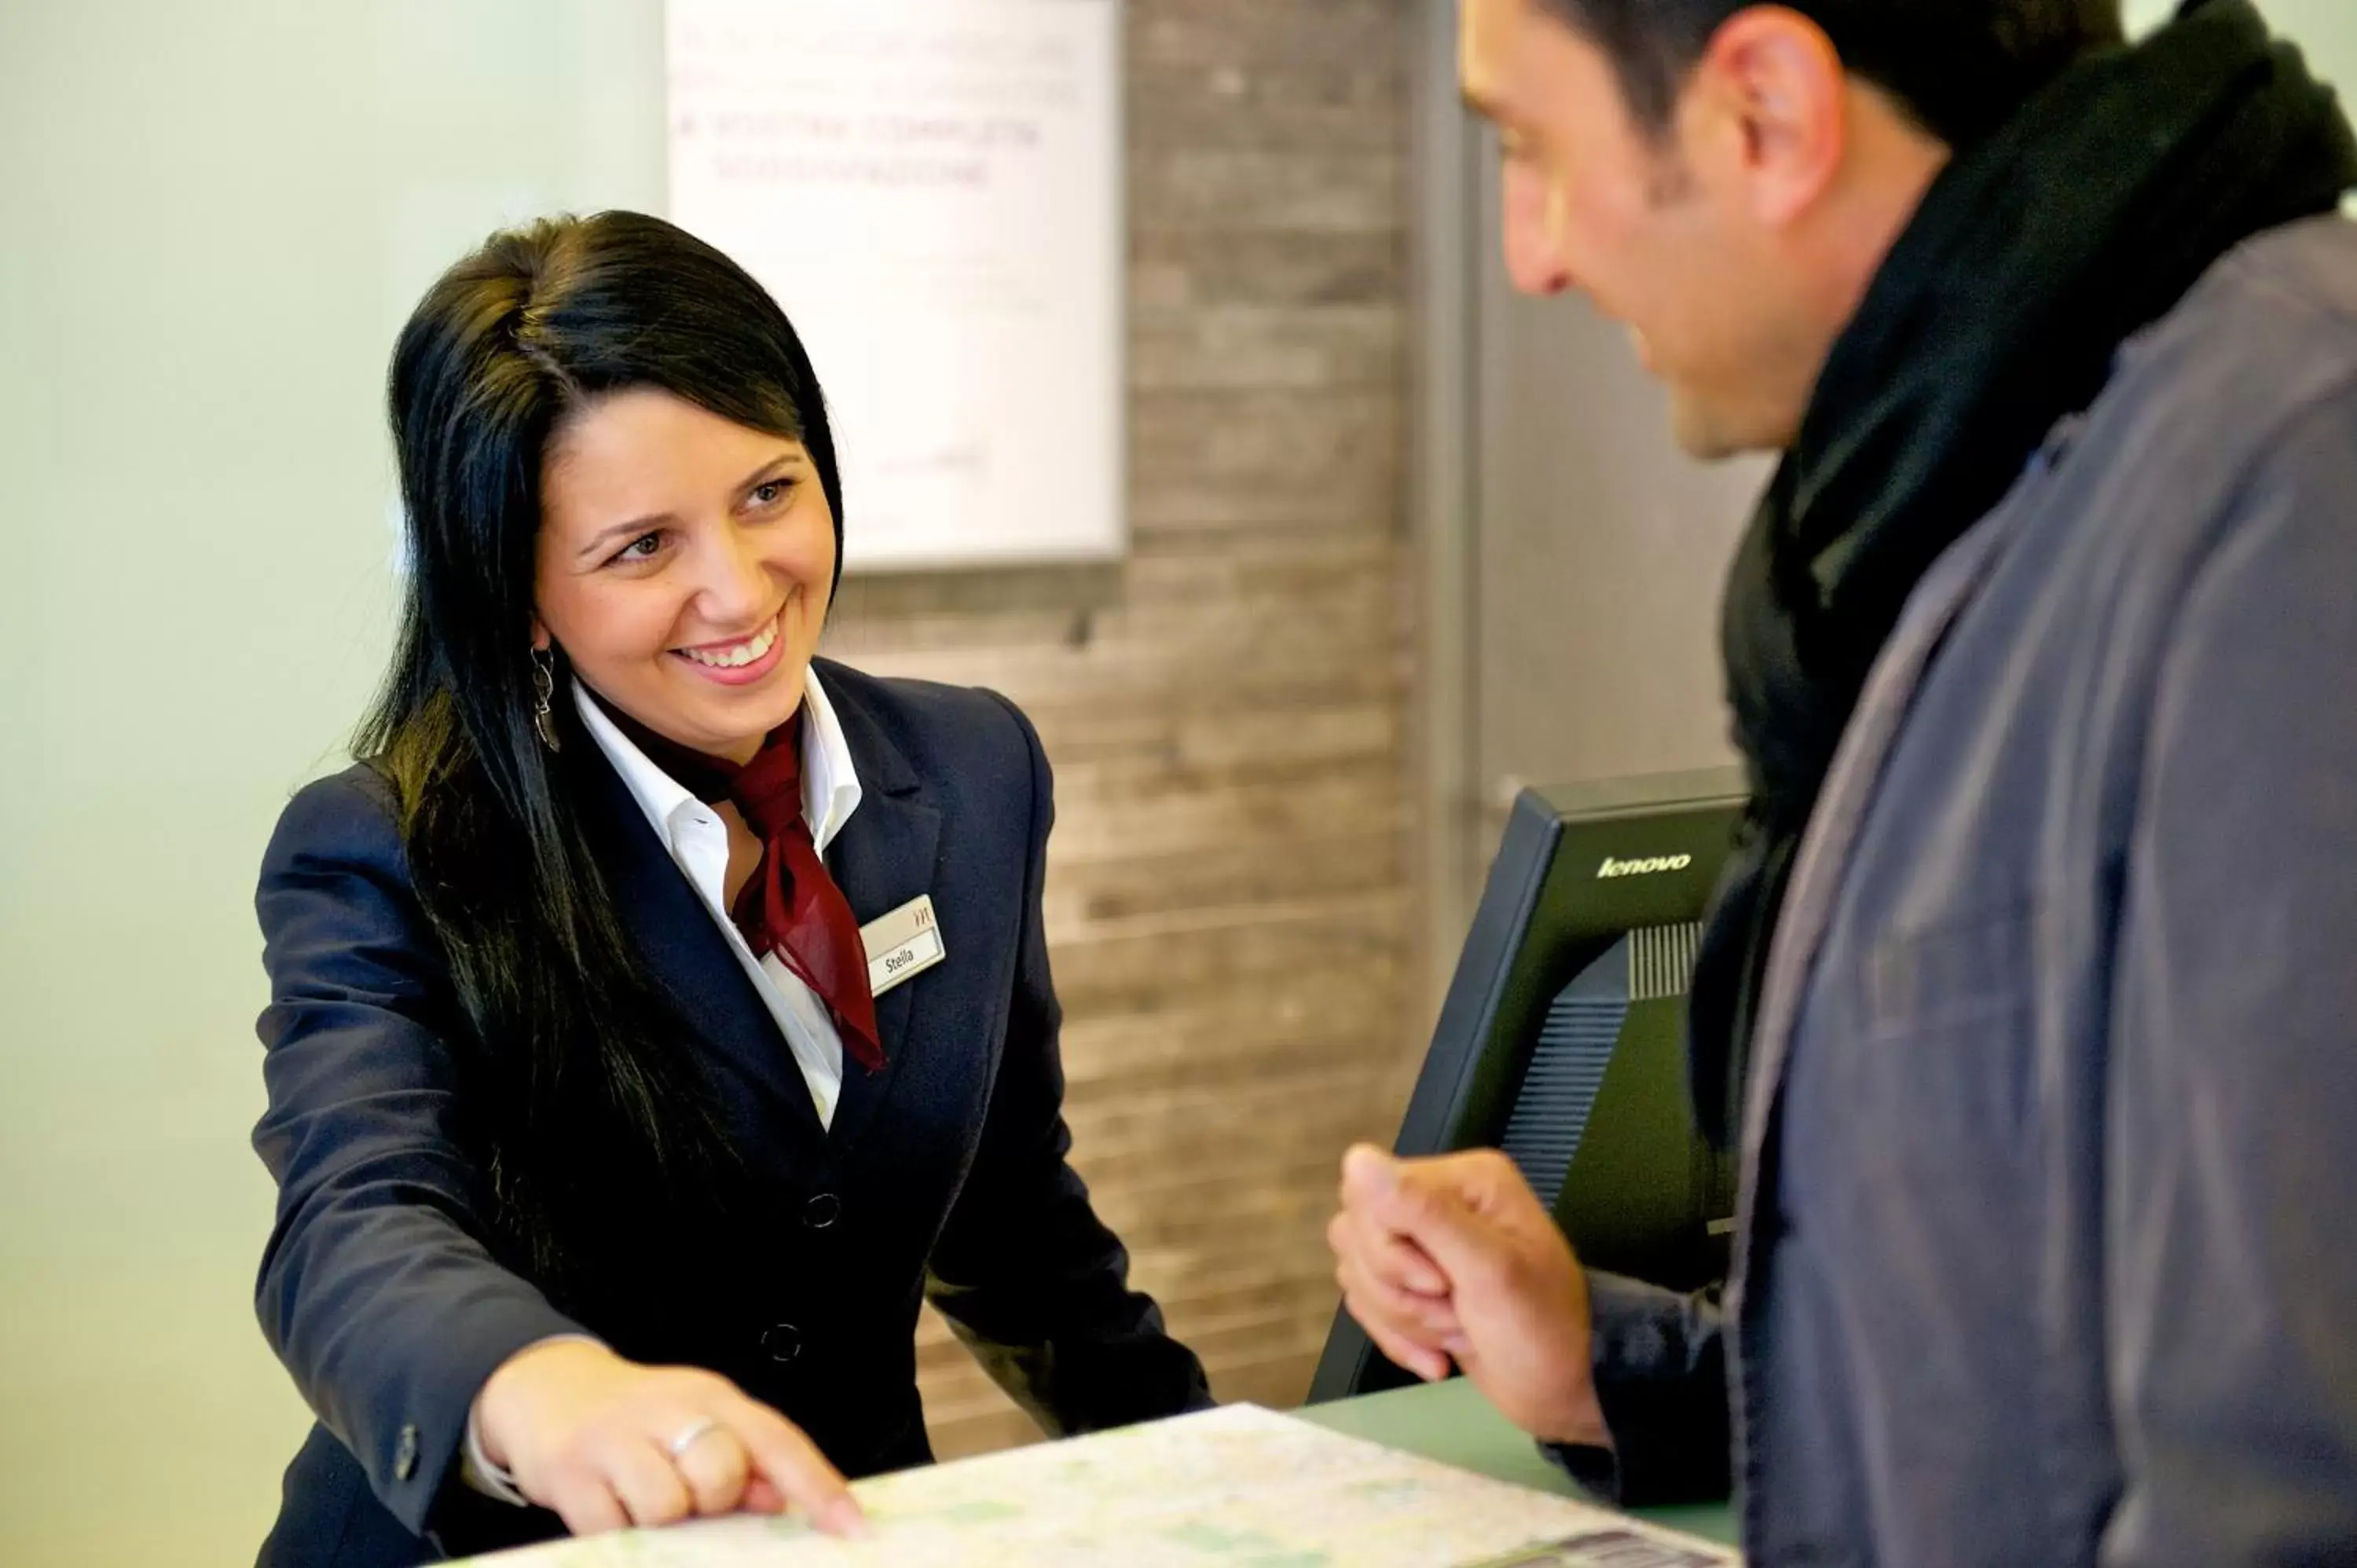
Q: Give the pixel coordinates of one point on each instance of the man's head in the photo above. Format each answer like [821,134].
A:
[1724,178]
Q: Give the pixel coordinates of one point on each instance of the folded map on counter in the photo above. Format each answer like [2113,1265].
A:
[1235,1488]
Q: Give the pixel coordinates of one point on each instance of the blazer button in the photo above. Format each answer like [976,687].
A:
[822,1211]
[404,1454]
[783,1341]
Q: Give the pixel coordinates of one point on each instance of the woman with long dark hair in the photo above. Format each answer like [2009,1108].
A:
[660,1013]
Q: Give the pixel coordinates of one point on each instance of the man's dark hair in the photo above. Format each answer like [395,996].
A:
[1957,67]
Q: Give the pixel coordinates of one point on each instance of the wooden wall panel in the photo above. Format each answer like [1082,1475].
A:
[1227,897]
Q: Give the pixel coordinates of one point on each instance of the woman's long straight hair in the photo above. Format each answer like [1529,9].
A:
[582,1097]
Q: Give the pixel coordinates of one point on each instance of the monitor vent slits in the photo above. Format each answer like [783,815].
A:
[1575,1044]
[1566,1069]
[1661,960]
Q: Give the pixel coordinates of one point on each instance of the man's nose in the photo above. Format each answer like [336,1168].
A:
[1530,238]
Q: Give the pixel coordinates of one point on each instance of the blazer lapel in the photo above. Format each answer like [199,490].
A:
[686,952]
[883,858]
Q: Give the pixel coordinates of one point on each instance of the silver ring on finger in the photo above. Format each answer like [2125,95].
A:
[689,1434]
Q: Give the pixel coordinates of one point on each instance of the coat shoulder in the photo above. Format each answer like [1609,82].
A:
[969,735]
[347,816]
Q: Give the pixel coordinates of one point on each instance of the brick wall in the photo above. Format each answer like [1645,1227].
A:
[1225,709]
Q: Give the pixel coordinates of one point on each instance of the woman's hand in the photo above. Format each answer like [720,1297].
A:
[607,1442]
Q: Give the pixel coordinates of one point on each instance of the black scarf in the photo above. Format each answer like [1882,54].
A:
[2085,216]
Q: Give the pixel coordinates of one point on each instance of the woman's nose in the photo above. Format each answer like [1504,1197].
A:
[735,583]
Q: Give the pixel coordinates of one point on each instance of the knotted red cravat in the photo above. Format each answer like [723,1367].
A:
[790,905]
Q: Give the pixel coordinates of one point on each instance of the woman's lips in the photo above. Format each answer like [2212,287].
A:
[738,663]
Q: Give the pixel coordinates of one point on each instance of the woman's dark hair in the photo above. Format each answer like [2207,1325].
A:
[583,1099]
[1959,68]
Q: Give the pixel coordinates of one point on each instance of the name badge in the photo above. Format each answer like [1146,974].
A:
[902,944]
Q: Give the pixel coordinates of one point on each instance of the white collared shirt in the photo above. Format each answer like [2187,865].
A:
[697,841]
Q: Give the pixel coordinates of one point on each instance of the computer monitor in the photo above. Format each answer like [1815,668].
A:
[1562,1038]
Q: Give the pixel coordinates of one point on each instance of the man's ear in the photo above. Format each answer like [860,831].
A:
[1776,99]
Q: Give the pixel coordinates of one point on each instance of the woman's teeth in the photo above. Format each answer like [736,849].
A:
[742,654]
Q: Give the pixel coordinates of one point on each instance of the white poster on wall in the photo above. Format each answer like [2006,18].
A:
[931,190]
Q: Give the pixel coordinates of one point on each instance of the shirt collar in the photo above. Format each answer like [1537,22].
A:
[830,780]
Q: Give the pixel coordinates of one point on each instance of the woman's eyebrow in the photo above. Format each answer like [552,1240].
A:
[657,518]
[762,473]
[634,526]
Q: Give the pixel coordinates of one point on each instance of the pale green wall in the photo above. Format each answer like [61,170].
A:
[212,215]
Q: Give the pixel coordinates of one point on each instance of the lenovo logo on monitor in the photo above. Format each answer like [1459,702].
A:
[1648,867]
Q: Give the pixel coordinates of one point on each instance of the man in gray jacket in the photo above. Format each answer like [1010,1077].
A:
[2031,1000]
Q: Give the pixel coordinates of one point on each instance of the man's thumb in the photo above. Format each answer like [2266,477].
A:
[1369,1174]
[1430,1205]
[1423,1200]
[1400,1194]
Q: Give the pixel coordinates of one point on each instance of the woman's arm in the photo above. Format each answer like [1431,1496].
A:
[1028,1275]
[376,1290]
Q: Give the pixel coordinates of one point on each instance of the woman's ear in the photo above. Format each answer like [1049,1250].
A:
[541,641]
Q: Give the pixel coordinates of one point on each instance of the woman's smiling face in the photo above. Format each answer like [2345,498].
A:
[685,565]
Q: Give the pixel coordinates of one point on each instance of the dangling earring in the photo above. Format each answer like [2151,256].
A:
[544,689]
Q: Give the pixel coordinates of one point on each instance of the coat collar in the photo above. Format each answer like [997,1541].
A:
[884,857]
[691,961]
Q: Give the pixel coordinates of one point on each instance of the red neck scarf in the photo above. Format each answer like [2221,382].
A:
[790,905]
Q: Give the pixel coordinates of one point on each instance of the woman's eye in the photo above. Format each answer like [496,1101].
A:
[771,493]
[642,548]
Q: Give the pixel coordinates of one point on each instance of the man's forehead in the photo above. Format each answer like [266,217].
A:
[1484,30]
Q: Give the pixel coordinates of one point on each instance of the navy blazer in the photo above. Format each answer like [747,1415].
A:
[944,1172]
